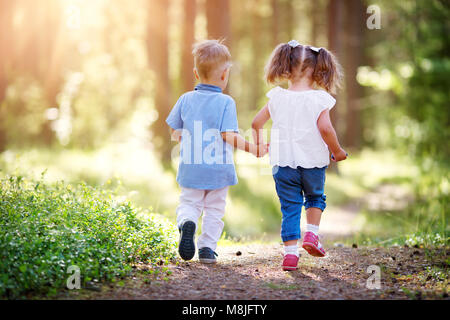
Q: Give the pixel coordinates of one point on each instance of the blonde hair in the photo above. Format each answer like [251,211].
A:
[288,63]
[209,55]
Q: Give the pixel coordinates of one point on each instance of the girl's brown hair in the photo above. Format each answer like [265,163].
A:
[289,63]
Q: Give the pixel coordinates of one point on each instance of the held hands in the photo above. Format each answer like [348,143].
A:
[260,150]
[339,156]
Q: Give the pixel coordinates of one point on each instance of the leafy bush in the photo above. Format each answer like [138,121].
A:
[45,229]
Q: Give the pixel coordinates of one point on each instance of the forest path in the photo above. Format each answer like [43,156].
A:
[253,272]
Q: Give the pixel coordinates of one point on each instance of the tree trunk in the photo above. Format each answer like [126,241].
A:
[257,67]
[334,29]
[354,31]
[52,53]
[218,20]
[335,21]
[5,32]
[275,22]
[288,17]
[315,17]
[187,61]
[6,15]
[157,48]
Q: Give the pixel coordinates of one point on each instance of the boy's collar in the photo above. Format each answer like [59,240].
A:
[208,87]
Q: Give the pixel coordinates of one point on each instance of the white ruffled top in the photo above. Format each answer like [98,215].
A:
[295,138]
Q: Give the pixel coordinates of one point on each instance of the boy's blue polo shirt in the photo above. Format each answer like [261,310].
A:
[206,161]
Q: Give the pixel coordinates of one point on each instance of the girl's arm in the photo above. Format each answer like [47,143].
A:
[237,141]
[258,123]
[175,135]
[329,136]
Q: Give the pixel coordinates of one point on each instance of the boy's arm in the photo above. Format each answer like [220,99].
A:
[258,123]
[237,141]
[329,136]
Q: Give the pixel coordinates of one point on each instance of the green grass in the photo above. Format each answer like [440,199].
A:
[282,286]
[422,222]
[46,228]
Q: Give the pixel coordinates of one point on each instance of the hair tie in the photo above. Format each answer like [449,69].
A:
[293,43]
[315,49]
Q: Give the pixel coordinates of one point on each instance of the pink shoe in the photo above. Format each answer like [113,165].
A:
[290,262]
[312,244]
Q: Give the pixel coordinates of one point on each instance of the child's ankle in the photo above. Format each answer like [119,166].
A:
[291,249]
[312,228]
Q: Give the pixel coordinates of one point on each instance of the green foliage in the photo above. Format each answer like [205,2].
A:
[424,223]
[410,96]
[25,101]
[411,92]
[46,229]
[427,95]
[404,203]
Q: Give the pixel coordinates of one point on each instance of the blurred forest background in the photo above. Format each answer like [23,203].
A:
[86,85]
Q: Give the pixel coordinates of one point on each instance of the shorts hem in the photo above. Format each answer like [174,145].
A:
[291,237]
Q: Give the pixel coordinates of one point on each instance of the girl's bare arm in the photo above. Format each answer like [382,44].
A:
[237,141]
[329,136]
[175,135]
[258,123]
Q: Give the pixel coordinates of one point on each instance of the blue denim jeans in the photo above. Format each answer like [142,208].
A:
[295,188]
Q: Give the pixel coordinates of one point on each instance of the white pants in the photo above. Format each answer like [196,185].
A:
[212,203]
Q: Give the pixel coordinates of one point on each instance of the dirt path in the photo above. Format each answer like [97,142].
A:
[253,272]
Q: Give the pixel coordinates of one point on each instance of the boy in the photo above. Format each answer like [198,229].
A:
[205,122]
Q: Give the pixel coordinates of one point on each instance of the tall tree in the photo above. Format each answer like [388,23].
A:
[275,22]
[5,43]
[37,52]
[5,54]
[335,12]
[354,38]
[158,52]
[257,33]
[288,14]
[314,12]
[218,20]
[187,62]
[51,48]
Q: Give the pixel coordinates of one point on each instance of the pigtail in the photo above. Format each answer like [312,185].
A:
[289,62]
[327,71]
[282,62]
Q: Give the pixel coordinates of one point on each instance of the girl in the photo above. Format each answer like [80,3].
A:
[301,138]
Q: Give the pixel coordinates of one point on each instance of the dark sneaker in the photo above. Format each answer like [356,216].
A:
[207,255]
[186,247]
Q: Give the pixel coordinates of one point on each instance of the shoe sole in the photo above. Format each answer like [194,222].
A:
[208,261]
[186,248]
[285,268]
[313,250]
